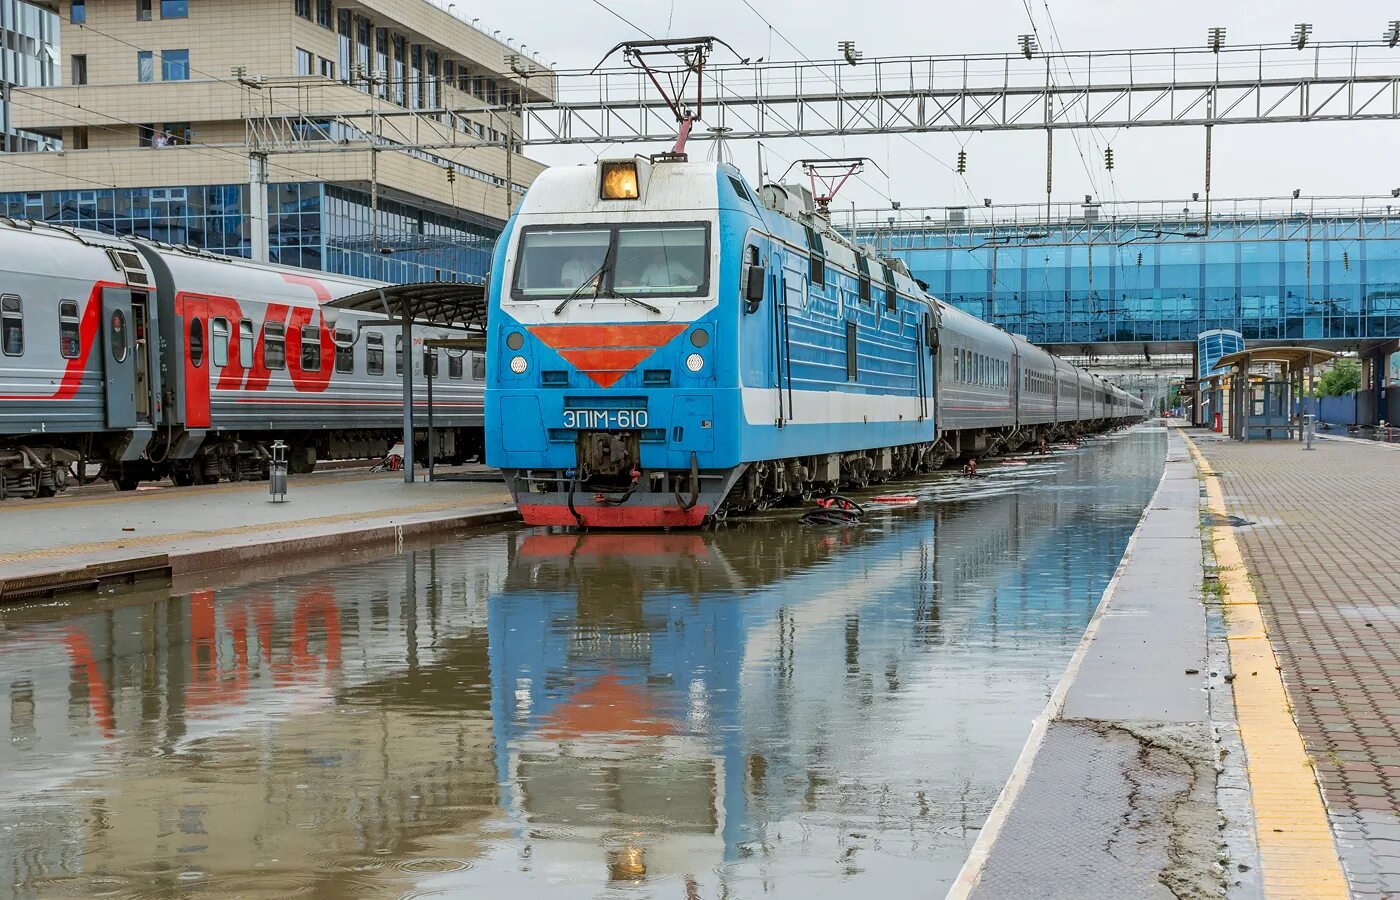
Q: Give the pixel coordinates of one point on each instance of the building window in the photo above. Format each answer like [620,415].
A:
[174,65]
[399,50]
[324,13]
[80,138]
[327,68]
[174,9]
[363,36]
[245,343]
[431,101]
[77,13]
[145,66]
[145,135]
[68,329]
[275,345]
[310,348]
[381,61]
[374,354]
[219,338]
[79,68]
[344,350]
[306,62]
[143,10]
[343,20]
[177,133]
[303,8]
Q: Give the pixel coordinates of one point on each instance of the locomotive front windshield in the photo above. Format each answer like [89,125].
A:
[653,260]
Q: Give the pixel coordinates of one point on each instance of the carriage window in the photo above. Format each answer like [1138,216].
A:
[454,364]
[478,367]
[218,335]
[11,325]
[374,354]
[967,366]
[398,354]
[196,341]
[814,244]
[68,346]
[275,345]
[344,340]
[310,348]
[245,343]
[430,362]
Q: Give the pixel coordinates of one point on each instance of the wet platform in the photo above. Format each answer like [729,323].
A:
[1318,531]
[62,544]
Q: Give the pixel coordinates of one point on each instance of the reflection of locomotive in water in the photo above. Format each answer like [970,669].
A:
[664,693]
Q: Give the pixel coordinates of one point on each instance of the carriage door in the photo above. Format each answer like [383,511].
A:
[141,355]
[119,358]
[194,313]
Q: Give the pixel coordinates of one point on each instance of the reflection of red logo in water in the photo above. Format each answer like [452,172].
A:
[609,705]
[605,353]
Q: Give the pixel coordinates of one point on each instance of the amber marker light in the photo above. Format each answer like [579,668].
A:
[620,180]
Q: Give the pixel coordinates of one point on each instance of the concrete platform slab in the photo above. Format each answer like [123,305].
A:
[62,544]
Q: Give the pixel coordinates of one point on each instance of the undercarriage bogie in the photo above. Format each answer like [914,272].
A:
[35,471]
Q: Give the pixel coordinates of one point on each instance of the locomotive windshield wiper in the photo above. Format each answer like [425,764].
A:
[596,280]
[642,303]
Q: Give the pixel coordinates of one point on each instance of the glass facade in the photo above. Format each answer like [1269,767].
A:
[315,226]
[1293,278]
[28,58]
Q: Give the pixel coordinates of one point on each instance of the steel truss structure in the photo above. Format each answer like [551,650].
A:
[1357,81]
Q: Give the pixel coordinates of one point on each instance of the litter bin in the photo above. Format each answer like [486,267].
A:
[277,473]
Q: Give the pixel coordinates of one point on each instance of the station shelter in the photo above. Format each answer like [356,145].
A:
[1260,392]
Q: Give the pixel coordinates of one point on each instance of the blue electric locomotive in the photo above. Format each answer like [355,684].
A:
[667,345]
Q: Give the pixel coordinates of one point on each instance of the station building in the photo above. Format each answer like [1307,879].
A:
[28,58]
[150,122]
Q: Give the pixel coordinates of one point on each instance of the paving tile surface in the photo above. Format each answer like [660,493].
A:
[1324,555]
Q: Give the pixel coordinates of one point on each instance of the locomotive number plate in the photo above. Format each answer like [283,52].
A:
[605,419]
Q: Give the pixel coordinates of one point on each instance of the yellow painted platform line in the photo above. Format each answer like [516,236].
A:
[1297,853]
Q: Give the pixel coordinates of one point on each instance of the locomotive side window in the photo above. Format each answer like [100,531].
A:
[68,329]
[891,294]
[11,325]
[863,278]
[310,348]
[344,340]
[374,354]
[218,340]
[245,343]
[196,344]
[814,246]
[275,345]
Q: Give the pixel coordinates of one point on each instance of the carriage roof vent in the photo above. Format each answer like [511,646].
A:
[803,195]
[128,262]
[780,199]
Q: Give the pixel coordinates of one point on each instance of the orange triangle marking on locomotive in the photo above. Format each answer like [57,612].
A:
[588,335]
[606,365]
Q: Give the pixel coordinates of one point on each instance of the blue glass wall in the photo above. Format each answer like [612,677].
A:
[315,226]
[1289,278]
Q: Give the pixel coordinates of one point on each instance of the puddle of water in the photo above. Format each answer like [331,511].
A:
[763,710]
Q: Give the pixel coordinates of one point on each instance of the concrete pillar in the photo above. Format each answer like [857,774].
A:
[406,330]
[257,206]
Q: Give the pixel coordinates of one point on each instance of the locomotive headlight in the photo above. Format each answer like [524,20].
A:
[620,180]
[695,362]
[699,337]
[518,365]
[515,340]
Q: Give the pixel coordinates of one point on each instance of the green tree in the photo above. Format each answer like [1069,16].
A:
[1343,378]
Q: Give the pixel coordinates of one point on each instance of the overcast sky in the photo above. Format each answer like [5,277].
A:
[1151,163]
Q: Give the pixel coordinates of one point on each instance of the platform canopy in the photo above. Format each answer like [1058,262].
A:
[446,304]
[1288,356]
